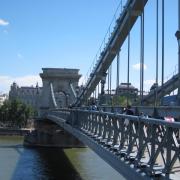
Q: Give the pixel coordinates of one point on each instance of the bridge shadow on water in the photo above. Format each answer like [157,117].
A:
[44,164]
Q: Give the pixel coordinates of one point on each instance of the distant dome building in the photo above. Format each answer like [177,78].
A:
[124,89]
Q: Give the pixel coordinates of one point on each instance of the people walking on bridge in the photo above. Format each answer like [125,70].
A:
[129,110]
[93,107]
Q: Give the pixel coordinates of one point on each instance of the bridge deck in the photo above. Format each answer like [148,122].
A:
[132,145]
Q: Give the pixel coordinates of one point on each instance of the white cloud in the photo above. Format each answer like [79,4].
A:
[137,66]
[3,22]
[27,80]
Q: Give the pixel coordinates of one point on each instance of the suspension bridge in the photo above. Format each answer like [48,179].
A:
[146,143]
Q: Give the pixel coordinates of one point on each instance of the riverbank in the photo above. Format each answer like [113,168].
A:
[14,132]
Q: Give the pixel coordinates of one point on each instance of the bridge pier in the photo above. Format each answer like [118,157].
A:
[48,134]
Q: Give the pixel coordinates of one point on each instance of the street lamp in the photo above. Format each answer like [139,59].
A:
[103,81]
[177,34]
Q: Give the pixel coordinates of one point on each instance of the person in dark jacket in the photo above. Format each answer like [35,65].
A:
[129,111]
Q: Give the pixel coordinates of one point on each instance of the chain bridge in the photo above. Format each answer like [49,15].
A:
[146,143]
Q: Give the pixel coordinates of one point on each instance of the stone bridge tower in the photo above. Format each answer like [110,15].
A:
[59,87]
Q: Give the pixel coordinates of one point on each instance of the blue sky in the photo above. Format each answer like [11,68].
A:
[67,34]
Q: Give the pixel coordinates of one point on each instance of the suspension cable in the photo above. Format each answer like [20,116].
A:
[142,59]
[121,3]
[178,14]
[162,83]
[179,30]
[128,68]
[127,100]
[143,54]
[157,38]
[157,50]
[178,95]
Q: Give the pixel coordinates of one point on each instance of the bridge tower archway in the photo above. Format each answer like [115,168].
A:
[59,86]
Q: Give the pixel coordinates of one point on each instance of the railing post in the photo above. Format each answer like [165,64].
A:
[109,128]
[100,125]
[130,132]
[168,150]
[115,135]
[141,139]
[122,131]
[105,121]
[72,118]
[153,135]
[153,146]
[96,123]
[76,116]
[89,121]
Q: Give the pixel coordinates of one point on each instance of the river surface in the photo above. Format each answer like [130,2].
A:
[19,163]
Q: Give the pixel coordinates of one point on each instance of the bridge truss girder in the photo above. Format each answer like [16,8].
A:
[123,27]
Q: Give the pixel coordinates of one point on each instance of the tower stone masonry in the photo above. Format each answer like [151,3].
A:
[59,85]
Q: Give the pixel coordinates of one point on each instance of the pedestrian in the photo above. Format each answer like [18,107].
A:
[94,107]
[129,111]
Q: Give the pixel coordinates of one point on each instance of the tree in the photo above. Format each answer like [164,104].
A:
[120,101]
[14,113]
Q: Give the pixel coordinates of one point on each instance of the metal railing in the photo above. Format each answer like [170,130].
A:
[152,145]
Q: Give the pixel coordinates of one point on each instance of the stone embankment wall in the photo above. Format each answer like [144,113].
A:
[10,131]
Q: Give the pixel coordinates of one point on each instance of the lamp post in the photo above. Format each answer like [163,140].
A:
[177,34]
[103,81]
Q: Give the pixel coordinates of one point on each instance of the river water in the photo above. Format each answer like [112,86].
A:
[19,163]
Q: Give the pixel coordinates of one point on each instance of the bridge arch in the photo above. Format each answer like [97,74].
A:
[59,86]
[62,98]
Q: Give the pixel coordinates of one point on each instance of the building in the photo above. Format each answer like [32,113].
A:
[59,89]
[123,90]
[3,97]
[27,95]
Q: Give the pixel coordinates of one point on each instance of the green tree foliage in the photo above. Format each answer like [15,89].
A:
[15,113]
[120,101]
